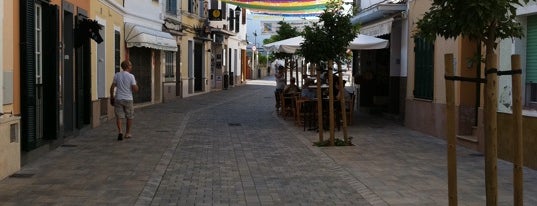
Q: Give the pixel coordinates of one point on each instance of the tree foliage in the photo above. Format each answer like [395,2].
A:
[285,31]
[328,39]
[484,21]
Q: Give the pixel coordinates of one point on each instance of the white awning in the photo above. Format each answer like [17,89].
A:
[285,46]
[365,42]
[140,36]
[378,29]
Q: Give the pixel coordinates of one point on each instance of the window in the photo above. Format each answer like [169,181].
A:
[171,7]
[231,20]
[190,6]
[170,65]
[533,92]
[194,7]
[423,77]
[531,62]
[237,25]
[243,16]
[117,51]
[224,9]
[201,7]
[214,4]
[38,45]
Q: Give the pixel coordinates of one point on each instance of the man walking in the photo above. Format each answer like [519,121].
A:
[123,102]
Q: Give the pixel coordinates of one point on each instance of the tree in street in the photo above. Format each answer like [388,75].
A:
[327,40]
[486,22]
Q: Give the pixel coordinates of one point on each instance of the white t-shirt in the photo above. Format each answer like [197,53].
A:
[124,81]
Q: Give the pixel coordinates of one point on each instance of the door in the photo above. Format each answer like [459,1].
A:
[158,77]
[141,69]
[198,67]
[82,82]
[178,75]
[68,75]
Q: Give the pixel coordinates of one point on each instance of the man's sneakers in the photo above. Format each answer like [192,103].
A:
[119,137]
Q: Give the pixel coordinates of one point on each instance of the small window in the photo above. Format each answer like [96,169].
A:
[117,51]
[171,7]
[170,65]
[14,133]
[231,20]
[533,92]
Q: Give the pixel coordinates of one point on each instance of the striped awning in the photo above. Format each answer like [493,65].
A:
[282,7]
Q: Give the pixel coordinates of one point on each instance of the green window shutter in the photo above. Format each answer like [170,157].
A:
[424,61]
[531,50]
[117,51]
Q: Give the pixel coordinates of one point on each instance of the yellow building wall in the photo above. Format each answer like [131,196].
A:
[10,148]
[84,4]
[441,47]
[428,116]
[112,19]
[190,21]
[467,68]
[11,52]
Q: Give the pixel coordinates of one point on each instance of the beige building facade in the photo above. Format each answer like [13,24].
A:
[106,56]
[426,111]
[195,47]
[10,149]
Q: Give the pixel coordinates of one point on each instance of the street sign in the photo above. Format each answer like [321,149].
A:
[254,48]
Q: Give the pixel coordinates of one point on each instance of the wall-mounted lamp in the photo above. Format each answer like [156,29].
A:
[237,10]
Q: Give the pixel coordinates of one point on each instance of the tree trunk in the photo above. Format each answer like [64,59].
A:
[319,105]
[491,129]
[450,131]
[331,101]
[518,149]
[342,104]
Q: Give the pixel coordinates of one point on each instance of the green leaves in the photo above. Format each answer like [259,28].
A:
[477,19]
[328,39]
[286,31]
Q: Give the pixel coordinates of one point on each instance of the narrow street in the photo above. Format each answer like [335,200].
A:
[231,148]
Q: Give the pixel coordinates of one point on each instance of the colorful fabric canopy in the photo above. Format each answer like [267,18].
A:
[282,7]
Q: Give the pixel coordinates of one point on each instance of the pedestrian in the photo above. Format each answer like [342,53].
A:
[307,92]
[292,88]
[124,85]
[280,85]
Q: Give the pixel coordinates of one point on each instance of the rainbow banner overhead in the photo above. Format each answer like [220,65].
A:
[282,7]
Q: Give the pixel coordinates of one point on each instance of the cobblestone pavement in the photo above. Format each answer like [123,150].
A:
[230,148]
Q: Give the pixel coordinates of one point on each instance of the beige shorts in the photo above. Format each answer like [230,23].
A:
[124,108]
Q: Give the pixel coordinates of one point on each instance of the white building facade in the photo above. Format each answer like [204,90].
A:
[147,48]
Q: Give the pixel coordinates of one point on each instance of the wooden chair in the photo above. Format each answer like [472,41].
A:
[299,115]
[288,107]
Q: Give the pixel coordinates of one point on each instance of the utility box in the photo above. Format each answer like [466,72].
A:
[10,147]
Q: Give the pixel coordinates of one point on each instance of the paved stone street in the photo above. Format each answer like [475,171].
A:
[231,148]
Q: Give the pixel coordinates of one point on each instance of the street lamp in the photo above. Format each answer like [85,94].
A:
[255,38]
[237,10]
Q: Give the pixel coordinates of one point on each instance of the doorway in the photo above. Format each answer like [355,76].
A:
[198,67]
[140,58]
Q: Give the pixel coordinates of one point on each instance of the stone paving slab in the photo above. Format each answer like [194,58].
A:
[231,148]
